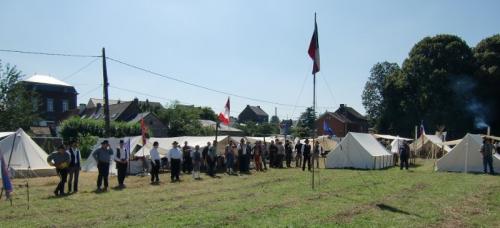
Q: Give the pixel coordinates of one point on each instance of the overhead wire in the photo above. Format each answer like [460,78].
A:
[48,53]
[201,86]
[80,69]
[146,94]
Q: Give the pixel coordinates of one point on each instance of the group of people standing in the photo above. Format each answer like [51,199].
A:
[236,158]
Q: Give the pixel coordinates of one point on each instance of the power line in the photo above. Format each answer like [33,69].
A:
[330,90]
[90,91]
[80,70]
[49,54]
[146,94]
[200,86]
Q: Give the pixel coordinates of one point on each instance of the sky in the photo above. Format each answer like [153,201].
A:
[255,49]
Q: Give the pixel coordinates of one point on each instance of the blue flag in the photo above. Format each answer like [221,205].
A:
[7,185]
[327,129]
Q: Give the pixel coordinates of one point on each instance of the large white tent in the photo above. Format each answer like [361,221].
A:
[361,151]
[27,158]
[465,157]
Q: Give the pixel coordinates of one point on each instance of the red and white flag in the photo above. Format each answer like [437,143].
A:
[144,130]
[314,48]
[224,116]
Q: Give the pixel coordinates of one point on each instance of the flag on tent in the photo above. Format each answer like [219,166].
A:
[143,130]
[314,48]
[224,116]
[327,129]
[7,185]
[422,129]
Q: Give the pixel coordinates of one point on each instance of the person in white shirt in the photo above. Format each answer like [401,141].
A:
[175,159]
[155,164]
[121,160]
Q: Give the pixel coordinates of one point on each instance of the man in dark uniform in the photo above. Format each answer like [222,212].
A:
[288,153]
[60,159]
[404,154]
[74,166]
[306,152]
[298,154]
[103,157]
[121,160]
[273,153]
[187,164]
[487,151]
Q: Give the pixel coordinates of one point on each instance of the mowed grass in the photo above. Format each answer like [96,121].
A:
[276,198]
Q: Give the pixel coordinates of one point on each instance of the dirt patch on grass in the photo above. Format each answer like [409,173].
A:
[472,205]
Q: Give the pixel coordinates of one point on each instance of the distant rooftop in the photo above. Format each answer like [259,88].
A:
[45,79]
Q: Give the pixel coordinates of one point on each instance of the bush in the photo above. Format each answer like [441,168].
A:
[76,128]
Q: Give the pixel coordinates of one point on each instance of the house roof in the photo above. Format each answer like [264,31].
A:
[115,111]
[45,79]
[138,117]
[94,101]
[350,112]
[257,110]
[341,118]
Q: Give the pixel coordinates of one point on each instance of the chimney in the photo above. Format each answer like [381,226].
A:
[136,100]
[343,105]
[488,131]
[81,108]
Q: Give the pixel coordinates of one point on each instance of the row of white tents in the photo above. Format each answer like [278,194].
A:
[356,150]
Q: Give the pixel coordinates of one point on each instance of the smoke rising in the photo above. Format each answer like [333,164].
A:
[464,87]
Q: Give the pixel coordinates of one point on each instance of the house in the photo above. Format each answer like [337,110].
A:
[223,129]
[54,98]
[344,120]
[152,122]
[93,102]
[128,111]
[253,114]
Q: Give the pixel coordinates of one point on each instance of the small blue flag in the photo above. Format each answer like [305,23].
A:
[7,185]
[327,129]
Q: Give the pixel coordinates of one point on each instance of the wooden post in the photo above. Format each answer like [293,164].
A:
[106,98]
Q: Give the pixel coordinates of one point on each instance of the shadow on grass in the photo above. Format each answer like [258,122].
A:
[385,207]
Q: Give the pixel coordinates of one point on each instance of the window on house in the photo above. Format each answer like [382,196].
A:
[34,102]
[50,105]
[65,105]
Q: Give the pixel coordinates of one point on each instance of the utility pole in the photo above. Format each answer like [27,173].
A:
[106,98]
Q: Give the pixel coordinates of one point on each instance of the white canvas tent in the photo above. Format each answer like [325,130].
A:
[465,157]
[361,151]
[327,142]
[27,157]
[90,164]
[429,145]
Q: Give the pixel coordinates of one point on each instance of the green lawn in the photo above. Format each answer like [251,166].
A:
[416,198]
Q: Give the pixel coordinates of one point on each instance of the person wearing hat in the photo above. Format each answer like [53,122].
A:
[74,166]
[155,164]
[102,156]
[121,160]
[306,153]
[60,159]
[487,150]
[175,159]
[288,153]
[212,158]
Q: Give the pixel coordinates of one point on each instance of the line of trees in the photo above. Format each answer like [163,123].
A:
[443,82]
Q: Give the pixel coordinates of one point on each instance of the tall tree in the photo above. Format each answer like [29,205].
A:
[16,107]
[372,94]
[487,55]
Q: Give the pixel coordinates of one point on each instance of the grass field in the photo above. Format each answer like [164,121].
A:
[415,198]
